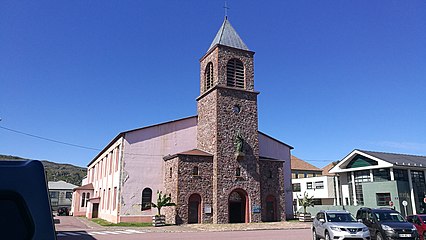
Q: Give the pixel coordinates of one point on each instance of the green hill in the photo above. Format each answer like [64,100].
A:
[57,171]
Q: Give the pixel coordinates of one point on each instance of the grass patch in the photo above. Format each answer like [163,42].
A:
[105,223]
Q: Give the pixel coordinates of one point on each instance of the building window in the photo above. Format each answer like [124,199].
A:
[68,195]
[54,194]
[83,199]
[208,76]
[383,199]
[296,187]
[235,73]
[400,175]
[146,198]
[238,172]
[195,171]
[319,185]
[87,199]
[309,185]
[361,177]
[114,200]
[296,175]
[170,172]
[270,174]
[381,175]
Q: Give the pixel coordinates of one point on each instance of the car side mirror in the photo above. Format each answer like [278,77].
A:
[322,220]
[359,220]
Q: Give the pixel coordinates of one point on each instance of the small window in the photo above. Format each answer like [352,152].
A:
[296,187]
[319,185]
[309,185]
[269,174]
[83,200]
[195,171]
[238,172]
[170,172]
[68,195]
[383,199]
[87,199]
[146,198]
[235,73]
[54,194]
[208,76]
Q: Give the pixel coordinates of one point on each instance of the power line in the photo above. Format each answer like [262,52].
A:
[49,139]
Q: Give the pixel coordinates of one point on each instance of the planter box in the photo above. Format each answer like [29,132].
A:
[158,221]
[305,217]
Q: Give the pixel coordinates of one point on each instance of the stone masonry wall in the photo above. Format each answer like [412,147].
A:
[189,184]
[273,185]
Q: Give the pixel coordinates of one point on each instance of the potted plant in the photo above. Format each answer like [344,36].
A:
[305,202]
[163,200]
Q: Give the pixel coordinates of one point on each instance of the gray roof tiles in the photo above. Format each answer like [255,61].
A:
[399,159]
[227,36]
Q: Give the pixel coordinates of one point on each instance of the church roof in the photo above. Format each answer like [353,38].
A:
[227,36]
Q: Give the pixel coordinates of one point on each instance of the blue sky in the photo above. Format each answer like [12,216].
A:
[333,76]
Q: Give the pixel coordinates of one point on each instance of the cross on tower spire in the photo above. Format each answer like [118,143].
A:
[226,10]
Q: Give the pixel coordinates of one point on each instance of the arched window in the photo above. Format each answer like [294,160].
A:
[87,199]
[195,171]
[235,73]
[208,76]
[83,199]
[146,198]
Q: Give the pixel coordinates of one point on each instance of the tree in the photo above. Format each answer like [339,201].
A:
[163,200]
[306,201]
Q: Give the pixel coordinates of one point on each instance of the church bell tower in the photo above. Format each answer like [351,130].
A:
[228,127]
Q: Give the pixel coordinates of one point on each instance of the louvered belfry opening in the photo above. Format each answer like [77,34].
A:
[208,77]
[235,73]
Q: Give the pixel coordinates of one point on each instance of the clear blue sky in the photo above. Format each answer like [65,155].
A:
[333,75]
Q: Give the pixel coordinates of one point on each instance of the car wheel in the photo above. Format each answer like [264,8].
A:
[379,236]
[327,236]
[424,235]
[314,235]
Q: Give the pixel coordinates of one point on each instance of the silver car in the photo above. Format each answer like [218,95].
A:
[338,225]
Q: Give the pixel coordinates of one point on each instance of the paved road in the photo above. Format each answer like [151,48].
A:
[293,234]
[71,228]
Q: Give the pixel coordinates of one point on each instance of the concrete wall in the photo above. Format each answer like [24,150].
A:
[269,147]
[143,160]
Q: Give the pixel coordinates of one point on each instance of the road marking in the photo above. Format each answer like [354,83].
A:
[129,231]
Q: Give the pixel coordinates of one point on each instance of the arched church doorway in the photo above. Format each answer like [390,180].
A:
[271,209]
[194,208]
[238,206]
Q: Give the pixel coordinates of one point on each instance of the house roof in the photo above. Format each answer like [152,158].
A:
[61,185]
[227,36]
[326,169]
[299,164]
[193,152]
[399,159]
[85,187]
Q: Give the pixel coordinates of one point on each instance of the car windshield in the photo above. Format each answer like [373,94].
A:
[340,217]
[389,217]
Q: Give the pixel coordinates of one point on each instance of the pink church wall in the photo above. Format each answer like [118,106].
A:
[143,160]
[269,147]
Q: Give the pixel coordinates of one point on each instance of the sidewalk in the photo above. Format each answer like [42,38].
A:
[204,227]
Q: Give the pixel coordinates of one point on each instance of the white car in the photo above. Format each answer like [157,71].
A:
[338,225]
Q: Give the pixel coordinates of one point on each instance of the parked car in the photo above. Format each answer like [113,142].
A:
[387,224]
[338,225]
[419,221]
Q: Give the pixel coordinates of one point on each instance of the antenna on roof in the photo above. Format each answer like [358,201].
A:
[226,9]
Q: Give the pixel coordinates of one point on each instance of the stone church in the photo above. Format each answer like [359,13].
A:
[217,166]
